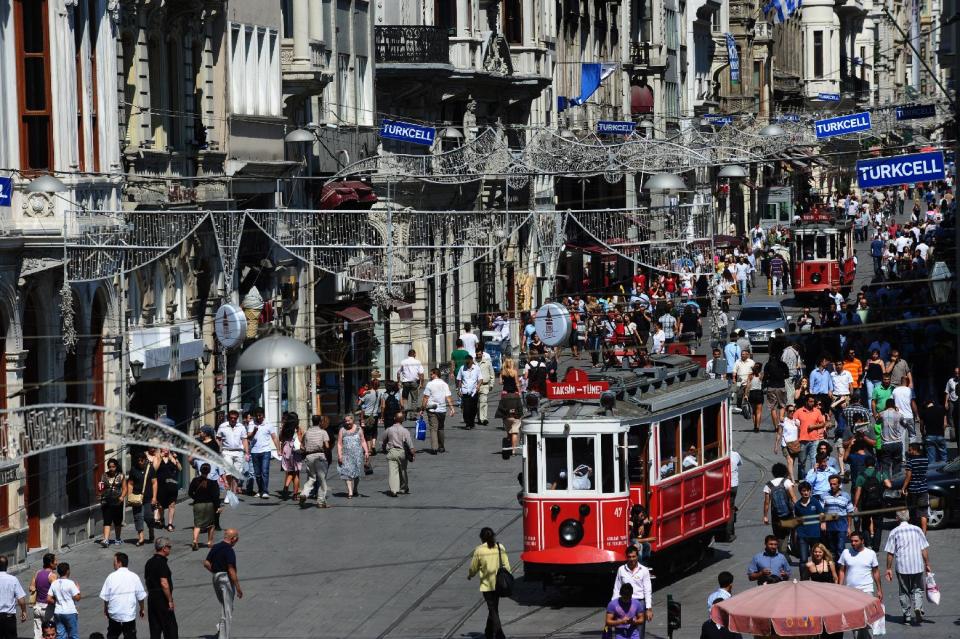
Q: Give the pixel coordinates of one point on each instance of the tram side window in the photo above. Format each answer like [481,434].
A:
[668,447]
[555,452]
[623,455]
[584,463]
[690,440]
[533,481]
[711,433]
[606,457]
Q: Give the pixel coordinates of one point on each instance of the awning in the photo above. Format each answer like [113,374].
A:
[641,99]
[350,194]
[354,314]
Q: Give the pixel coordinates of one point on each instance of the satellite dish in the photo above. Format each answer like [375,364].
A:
[230,325]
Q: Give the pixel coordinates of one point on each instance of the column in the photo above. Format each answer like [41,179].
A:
[301,38]
[316,20]
[529,30]
[463,19]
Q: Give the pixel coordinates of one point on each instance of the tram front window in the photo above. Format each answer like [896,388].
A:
[823,252]
[555,453]
[584,463]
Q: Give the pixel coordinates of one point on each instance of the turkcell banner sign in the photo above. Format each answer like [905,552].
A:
[843,124]
[405,132]
[788,117]
[616,128]
[718,120]
[916,112]
[828,97]
[902,169]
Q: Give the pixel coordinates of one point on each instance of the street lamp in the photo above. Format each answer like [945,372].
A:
[940,282]
[772,131]
[665,182]
[136,369]
[732,171]
[46,184]
[299,136]
[276,351]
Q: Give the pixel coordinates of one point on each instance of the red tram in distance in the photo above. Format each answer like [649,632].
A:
[659,440]
[822,257]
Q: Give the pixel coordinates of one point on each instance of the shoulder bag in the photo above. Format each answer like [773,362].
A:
[504,580]
[134,499]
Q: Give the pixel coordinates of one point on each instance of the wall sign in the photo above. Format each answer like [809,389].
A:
[828,97]
[6,191]
[902,169]
[718,120]
[616,128]
[405,132]
[230,326]
[916,111]
[553,324]
[842,124]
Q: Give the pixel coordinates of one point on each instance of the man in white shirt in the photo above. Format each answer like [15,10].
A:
[735,463]
[410,376]
[908,545]
[659,339]
[485,364]
[741,371]
[468,384]
[907,405]
[859,568]
[469,339]
[501,328]
[11,596]
[261,435]
[232,437]
[638,576]
[438,403]
[123,595]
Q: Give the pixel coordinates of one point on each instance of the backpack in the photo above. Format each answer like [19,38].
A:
[871,492]
[391,405]
[780,500]
[537,379]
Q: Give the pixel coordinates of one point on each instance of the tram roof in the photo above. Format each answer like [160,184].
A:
[673,383]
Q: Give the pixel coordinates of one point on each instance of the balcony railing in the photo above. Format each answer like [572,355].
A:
[412,44]
[640,53]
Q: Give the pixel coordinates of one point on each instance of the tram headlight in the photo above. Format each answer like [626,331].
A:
[815,278]
[571,532]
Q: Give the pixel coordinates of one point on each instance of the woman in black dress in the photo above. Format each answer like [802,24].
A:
[168,487]
[511,406]
[822,568]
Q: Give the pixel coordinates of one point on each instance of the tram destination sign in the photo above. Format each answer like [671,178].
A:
[576,385]
[901,169]
[406,132]
[916,111]
[841,125]
[616,128]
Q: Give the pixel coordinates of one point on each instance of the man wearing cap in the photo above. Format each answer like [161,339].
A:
[468,384]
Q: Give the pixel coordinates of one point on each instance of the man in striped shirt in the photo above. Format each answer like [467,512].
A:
[908,545]
[915,485]
[837,502]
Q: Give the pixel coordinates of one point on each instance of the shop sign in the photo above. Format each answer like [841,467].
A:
[553,324]
[230,325]
[901,169]
[405,132]
[841,125]
[916,111]
[616,128]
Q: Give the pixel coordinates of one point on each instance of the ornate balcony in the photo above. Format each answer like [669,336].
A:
[403,44]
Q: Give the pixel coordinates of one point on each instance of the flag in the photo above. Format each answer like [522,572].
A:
[561,104]
[783,8]
[734,59]
[591,75]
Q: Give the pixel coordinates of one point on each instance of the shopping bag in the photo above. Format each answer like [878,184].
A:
[879,627]
[933,590]
[231,498]
[247,470]
[421,428]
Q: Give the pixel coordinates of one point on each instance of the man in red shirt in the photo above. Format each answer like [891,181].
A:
[812,425]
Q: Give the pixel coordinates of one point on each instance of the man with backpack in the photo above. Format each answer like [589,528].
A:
[778,498]
[390,403]
[868,495]
[536,376]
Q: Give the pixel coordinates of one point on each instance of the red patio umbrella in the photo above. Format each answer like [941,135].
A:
[797,608]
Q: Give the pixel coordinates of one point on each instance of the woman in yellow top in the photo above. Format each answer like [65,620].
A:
[487,559]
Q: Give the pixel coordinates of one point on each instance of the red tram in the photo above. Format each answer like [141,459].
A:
[659,438]
[822,257]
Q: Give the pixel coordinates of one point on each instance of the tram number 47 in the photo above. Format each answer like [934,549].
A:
[618,511]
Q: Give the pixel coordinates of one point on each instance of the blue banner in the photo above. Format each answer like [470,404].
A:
[842,124]
[828,97]
[902,169]
[718,120]
[6,191]
[412,133]
[787,117]
[916,111]
[734,59]
[616,128]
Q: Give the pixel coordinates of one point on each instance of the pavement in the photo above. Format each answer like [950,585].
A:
[377,567]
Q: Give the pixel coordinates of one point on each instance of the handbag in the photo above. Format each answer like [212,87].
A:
[407,452]
[133,498]
[504,580]
[421,429]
